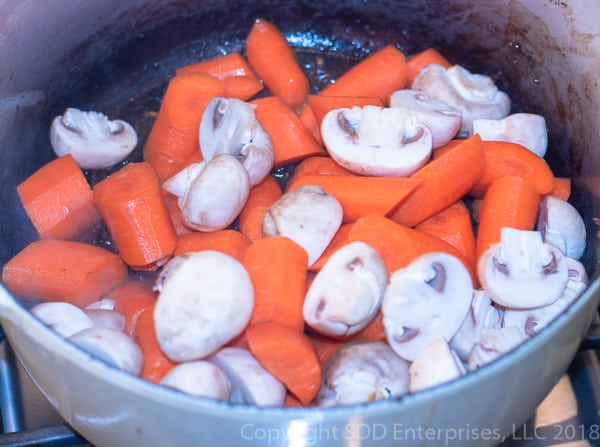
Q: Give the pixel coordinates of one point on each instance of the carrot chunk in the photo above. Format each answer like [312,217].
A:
[321,105]
[131,298]
[230,242]
[260,199]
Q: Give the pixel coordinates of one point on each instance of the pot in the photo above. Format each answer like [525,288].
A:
[116,57]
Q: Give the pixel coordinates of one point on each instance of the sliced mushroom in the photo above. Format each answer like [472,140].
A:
[205,300]
[210,194]
[107,318]
[562,226]
[65,318]
[362,372]
[376,141]
[475,95]
[532,321]
[526,129]
[102,303]
[442,120]
[308,216]
[493,344]
[522,271]
[112,346]
[200,378]
[230,126]
[346,293]
[94,141]
[436,364]
[250,382]
[426,300]
[482,315]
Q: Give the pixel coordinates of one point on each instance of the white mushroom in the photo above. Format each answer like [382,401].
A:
[376,141]
[475,95]
[482,315]
[526,129]
[106,318]
[362,372]
[532,321]
[562,226]
[200,378]
[102,303]
[211,193]
[92,139]
[493,344]
[346,293]
[426,300]
[308,216]
[65,318]
[436,364]
[521,271]
[230,126]
[112,346]
[442,120]
[250,382]
[205,300]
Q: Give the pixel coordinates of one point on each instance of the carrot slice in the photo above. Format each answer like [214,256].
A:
[222,67]
[132,205]
[504,158]
[241,87]
[292,141]
[309,120]
[510,201]
[175,213]
[174,135]
[321,105]
[340,239]
[61,270]
[416,62]
[562,188]
[324,346]
[58,200]
[131,298]
[273,60]
[289,355]
[319,165]
[445,179]
[374,331]
[359,195]
[277,267]
[260,199]
[378,75]
[230,242]
[454,226]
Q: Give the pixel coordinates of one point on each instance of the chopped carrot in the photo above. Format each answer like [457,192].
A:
[239,342]
[273,60]
[156,364]
[324,346]
[504,158]
[359,195]
[228,241]
[416,62]
[289,355]
[340,239]
[132,205]
[222,67]
[173,137]
[378,75]
[319,165]
[277,267]
[510,201]
[374,331]
[131,298]
[260,199]
[175,213]
[562,188]
[453,225]
[445,179]
[61,270]
[307,117]
[291,401]
[321,105]
[58,200]
[242,87]
[292,141]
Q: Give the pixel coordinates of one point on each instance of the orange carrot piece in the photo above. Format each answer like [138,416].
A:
[289,355]
[175,213]
[61,270]
[340,239]
[399,245]
[260,199]
[321,105]
[173,137]
[222,67]
[319,165]
[131,298]
[58,200]
[277,267]
[378,75]
[156,364]
[445,179]
[416,62]
[292,140]
[324,346]
[504,158]
[510,201]
[309,120]
[132,205]
[273,60]
[291,401]
[230,242]
[562,188]
[241,87]
[374,331]
[359,195]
